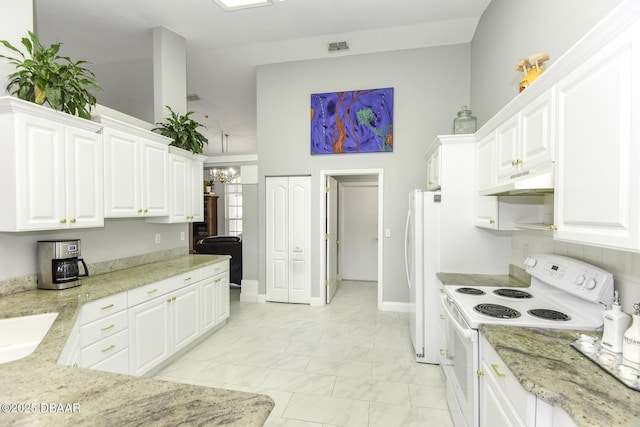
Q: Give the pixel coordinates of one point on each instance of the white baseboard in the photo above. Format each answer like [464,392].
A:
[249,292]
[316,302]
[401,307]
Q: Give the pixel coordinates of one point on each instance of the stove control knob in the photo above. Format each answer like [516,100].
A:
[579,280]
[530,262]
[590,284]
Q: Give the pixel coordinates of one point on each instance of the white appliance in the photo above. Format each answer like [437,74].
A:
[441,236]
[422,261]
[564,294]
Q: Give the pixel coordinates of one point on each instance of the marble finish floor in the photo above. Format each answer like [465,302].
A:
[344,364]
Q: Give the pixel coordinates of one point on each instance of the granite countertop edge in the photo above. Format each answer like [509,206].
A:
[546,366]
[35,382]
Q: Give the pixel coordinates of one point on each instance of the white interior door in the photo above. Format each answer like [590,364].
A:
[359,231]
[332,238]
[277,234]
[299,239]
[288,246]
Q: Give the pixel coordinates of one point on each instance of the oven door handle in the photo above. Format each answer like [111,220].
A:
[465,332]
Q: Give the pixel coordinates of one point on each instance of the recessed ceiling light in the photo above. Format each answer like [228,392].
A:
[242,4]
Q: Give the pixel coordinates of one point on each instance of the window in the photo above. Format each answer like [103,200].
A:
[233,203]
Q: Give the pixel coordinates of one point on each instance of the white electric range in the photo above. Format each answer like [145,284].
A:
[564,294]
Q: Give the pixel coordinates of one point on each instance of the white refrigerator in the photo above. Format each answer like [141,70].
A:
[422,261]
[441,236]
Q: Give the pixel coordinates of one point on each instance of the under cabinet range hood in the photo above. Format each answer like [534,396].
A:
[534,181]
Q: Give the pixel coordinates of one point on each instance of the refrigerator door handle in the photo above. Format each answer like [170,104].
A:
[406,241]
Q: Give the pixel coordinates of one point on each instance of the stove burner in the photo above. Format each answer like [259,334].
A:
[513,293]
[495,310]
[544,313]
[470,291]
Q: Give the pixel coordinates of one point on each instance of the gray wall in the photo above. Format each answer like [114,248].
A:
[127,87]
[120,238]
[430,86]
[513,29]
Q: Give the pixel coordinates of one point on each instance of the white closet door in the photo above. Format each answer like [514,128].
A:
[287,239]
[277,239]
[299,245]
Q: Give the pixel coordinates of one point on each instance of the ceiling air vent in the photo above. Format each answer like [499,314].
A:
[336,46]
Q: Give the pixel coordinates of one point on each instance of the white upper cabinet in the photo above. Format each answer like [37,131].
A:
[186,177]
[51,169]
[519,147]
[136,171]
[485,162]
[536,133]
[525,141]
[598,181]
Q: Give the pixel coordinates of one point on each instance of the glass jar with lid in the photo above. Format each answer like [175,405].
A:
[464,122]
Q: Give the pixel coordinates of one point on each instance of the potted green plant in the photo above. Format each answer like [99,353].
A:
[183,131]
[47,77]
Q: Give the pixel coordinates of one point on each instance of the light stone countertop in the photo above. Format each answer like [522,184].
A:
[547,366]
[105,398]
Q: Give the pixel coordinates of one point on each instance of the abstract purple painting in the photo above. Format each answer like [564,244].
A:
[358,121]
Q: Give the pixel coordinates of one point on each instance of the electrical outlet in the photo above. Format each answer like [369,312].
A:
[158,238]
[182,236]
[387,232]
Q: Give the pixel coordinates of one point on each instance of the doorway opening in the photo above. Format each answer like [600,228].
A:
[352,203]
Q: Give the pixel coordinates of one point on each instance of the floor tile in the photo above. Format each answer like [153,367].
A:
[372,391]
[346,364]
[382,415]
[328,410]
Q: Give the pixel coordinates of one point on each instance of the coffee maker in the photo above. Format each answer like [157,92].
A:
[59,264]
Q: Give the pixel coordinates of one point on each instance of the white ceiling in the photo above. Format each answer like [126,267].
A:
[224,48]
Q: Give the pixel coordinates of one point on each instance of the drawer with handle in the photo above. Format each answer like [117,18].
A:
[103,349]
[103,328]
[103,307]
[214,269]
[153,290]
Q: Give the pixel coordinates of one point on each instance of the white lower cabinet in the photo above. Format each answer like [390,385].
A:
[134,332]
[215,298]
[104,335]
[503,401]
[149,339]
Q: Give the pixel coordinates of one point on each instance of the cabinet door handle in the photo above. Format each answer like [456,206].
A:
[146,210]
[106,307]
[442,352]
[495,369]
[152,291]
[168,299]
[492,221]
[111,347]
[139,210]
[63,221]
[553,227]
[173,299]
[73,221]
[187,278]
[442,316]
[106,328]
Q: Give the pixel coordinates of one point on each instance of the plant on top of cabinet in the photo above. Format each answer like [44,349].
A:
[48,77]
[183,131]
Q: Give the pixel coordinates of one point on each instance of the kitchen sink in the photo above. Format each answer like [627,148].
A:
[19,336]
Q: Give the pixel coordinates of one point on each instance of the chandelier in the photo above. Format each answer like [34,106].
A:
[222,175]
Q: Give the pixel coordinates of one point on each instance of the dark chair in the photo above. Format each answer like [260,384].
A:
[225,245]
